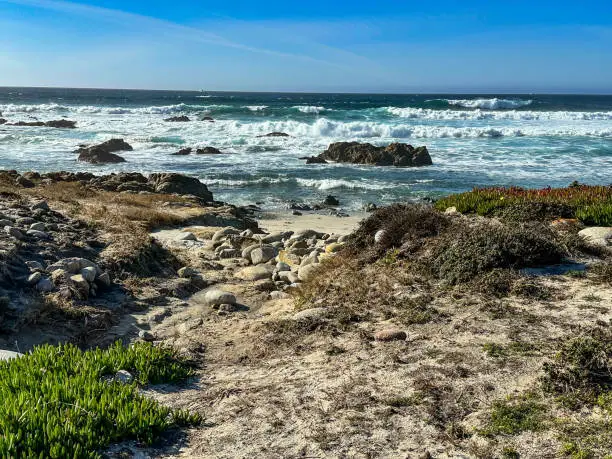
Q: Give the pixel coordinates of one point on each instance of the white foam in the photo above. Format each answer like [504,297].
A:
[256,108]
[309,108]
[489,104]
[511,115]
[330,184]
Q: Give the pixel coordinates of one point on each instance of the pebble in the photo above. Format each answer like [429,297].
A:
[390,335]
[124,377]
[217,297]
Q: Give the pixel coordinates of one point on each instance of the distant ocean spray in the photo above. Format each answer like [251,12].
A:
[474,140]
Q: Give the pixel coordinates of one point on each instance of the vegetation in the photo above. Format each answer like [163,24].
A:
[61,402]
[590,204]
[515,415]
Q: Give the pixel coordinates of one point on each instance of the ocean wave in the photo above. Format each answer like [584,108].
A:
[331,129]
[255,108]
[95,109]
[511,115]
[330,184]
[489,104]
[309,108]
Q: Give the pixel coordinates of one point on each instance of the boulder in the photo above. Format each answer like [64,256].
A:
[180,184]
[275,134]
[96,155]
[65,124]
[110,146]
[331,201]
[598,235]
[44,285]
[81,284]
[182,152]
[253,273]
[314,160]
[208,151]
[178,119]
[390,335]
[395,154]
[217,297]
[263,254]
[223,233]
[24,182]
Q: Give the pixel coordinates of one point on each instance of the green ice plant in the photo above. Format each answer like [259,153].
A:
[59,401]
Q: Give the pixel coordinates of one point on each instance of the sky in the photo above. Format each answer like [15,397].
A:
[319,46]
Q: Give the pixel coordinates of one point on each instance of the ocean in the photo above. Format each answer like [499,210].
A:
[474,140]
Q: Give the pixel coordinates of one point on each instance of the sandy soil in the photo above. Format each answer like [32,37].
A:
[325,223]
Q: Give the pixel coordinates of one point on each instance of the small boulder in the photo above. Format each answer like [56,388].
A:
[44,285]
[187,273]
[217,297]
[178,119]
[81,284]
[208,151]
[89,273]
[331,201]
[253,273]
[124,377]
[390,335]
[275,134]
[222,233]
[24,182]
[263,254]
[186,236]
[14,232]
[307,272]
[311,314]
[182,152]
[598,235]
[34,278]
[104,280]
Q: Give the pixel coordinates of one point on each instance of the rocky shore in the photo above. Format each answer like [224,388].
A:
[407,332]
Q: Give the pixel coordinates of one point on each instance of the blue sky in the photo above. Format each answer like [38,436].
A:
[358,46]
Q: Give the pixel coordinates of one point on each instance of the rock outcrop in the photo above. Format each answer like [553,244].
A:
[178,119]
[180,184]
[208,151]
[104,152]
[395,154]
[275,134]
[66,124]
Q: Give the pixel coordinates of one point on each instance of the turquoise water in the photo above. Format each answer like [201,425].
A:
[474,140]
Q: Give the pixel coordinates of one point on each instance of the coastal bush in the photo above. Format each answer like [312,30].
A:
[401,225]
[59,401]
[590,204]
[513,416]
[466,251]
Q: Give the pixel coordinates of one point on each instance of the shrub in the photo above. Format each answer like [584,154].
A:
[591,204]
[56,401]
[513,416]
[402,223]
[464,251]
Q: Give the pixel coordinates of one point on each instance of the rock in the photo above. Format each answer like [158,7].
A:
[288,277]
[104,152]
[14,232]
[182,152]
[247,233]
[146,335]
[38,234]
[44,285]
[370,207]
[395,154]
[450,210]
[25,221]
[290,258]
[187,273]
[276,237]
[379,235]
[34,278]
[98,156]
[296,212]
[275,134]
[282,266]
[222,233]
[253,273]
[217,297]
[390,335]
[208,151]
[331,201]
[276,295]
[24,182]
[59,276]
[5,222]
[598,235]
[81,284]
[3,121]
[124,377]
[246,253]
[207,118]
[66,124]
[263,254]
[34,266]
[73,265]
[38,226]
[180,184]
[307,272]
[178,119]
[104,280]
[89,273]
[311,314]
[309,260]
[186,236]
[6,355]
[226,307]
[314,160]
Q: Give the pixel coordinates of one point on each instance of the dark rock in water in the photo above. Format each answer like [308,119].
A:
[299,206]
[275,134]
[208,151]
[180,184]
[207,118]
[67,124]
[313,160]
[2,121]
[395,154]
[178,119]
[24,182]
[54,123]
[182,152]
[103,153]
[331,201]
[98,155]
[297,213]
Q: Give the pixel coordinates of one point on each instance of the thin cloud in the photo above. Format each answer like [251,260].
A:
[178,30]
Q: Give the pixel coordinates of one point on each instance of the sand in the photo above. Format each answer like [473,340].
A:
[275,222]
